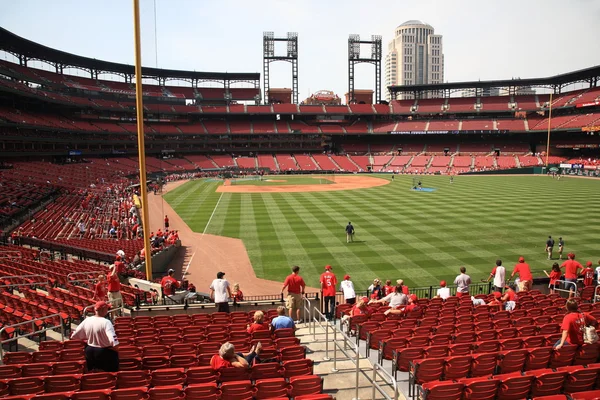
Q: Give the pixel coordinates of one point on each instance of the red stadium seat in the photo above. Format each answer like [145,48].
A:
[91,395]
[442,390]
[269,388]
[579,378]
[481,388]
[305,385]
[201,375]
[98,381]
[173,392]
[547,382]
[132,393]
[237,390]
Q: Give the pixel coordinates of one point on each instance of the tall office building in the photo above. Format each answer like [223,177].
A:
[414,56]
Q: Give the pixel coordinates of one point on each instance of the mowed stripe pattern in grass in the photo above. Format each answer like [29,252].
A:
[419,237]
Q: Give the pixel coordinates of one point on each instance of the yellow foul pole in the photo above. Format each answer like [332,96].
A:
[139,105]
[549,122]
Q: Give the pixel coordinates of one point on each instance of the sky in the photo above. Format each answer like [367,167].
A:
[482,39]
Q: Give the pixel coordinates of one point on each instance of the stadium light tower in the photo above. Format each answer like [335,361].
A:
[269,56]
[354,58]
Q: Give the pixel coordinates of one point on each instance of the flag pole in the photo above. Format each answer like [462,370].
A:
[549,122]
[139,105]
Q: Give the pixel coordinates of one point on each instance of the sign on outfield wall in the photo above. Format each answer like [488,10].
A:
[444,132]
[590,128]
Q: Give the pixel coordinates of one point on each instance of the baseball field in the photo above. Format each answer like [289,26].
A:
[419,236]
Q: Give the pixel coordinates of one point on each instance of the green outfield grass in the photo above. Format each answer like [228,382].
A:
[420,237]
[284,180]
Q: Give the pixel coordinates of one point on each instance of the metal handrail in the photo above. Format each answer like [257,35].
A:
[47,282]
[596,296]
[115,301]
[17,337]
[567,284]
[306,305]
[378,370]
[83,273]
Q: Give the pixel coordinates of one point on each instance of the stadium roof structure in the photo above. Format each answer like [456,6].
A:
[556,83]
[26,50]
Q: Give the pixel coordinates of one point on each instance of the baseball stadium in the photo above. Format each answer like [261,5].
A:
[427,247]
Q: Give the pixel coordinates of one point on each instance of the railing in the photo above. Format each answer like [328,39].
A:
[561,286]
[378,371]
[306,306]
[118,309]
[34,331]
[46,281]
[84,274]
[10,254]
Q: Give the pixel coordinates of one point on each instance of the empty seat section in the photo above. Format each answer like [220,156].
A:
[286,162]
[263,127]
[443,125]
[430,106]
[305,162]
[246,162]
[458,104]
[223,160]
[202,161]
[361,108]
[338,110]
[213,126]
[344,163]
[267,161]
[356,127]
[477,125]
[494,103]
[239,127]
[379,162]
[384,127]
[356,148]
[361,161]
[416,126]
[325,162]
[506,162]
[259,109]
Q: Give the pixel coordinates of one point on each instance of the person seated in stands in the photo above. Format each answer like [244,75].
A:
[413,305]
[169,284]
[282,320]
[113,232]
[573,325]
[510,297]
[227,357]
[394,300]
[258,324]
[496,301]
[443,292]
[237,293]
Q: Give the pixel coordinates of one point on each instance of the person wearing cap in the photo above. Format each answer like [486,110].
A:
[549,247]
[561,247]
[525,277]
[443,292]
[101,350]
[496,301]
[394,300]
[347,287]
[169,284]
[588,274]
[462,283]
[220,292]
[295,286]
[114,287]
[572,268]
[349,233]
[499,276]
[328,282]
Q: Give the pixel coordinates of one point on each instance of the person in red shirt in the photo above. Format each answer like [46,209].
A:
[573,325]
[572,268]
[258,324]
[295,286]
[169,284]
[227,357]
[360,308]
[114,288]
[121,269]
[525,277]
[100,288]
[510,296]
[328,283]
[388,288]
[588,274]
[400,282]
[554,276]
[166,223]
[237,293]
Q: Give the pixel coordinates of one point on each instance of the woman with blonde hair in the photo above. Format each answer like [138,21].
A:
[259,323]
[237,293]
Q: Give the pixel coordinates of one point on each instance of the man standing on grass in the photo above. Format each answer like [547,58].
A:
[549,247]
[561,246]
[328,282]
[220,292]
[349,233]
[295,286]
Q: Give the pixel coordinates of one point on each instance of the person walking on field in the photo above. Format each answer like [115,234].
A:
[549,247]
[349,233]
[295,286]
[328,282]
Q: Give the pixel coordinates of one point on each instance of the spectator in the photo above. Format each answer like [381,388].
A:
[462,283]
[101,350]
[281,320]
[237,293]
[227,357]
[375,289]
[121,269]
[388,288]
[443,292]
[360,308]
[328,282]
[347,287]
[114,288]
[295,286]
[220,292]
[258,324]
[496,301]
[525,277]
[499,276]
[166,223]
[588,274]
[81,228]
[572,268]
[510,297]
[573,325]
[395,300]
[136,259]
[598,272]
[400,282]
[554,276]
[169,284]
[100,289]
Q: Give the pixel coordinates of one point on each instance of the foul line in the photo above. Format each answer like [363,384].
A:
[203,232]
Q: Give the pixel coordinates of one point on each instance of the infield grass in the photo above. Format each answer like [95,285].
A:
[419,237]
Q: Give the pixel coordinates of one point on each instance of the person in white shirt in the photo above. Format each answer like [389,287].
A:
[394,299]
[220,292]
[499,276]
[443,292]
[102,349]
[462,283]
[347,287]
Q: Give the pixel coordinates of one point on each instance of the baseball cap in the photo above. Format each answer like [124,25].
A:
[443,283]
[118,258]
[521,259]
[328,267]
[588,264]
[413,297]
[170,271]
[346,277]
[571,255]
[101,304]
[365,299]
[220,275]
